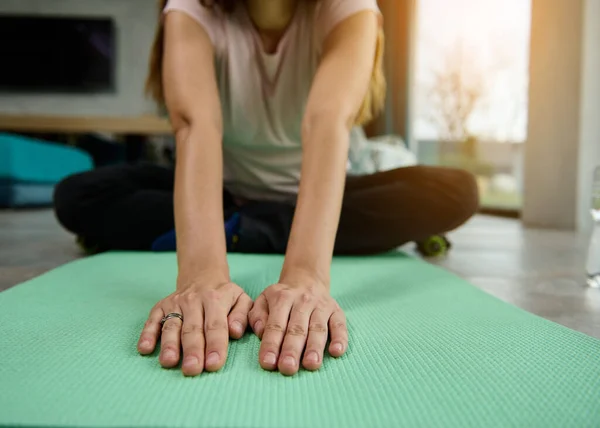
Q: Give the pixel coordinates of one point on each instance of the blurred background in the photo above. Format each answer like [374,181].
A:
[471,77]
[506,89]
[473,84]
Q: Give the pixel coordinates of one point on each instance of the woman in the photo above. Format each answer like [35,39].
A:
[261,93]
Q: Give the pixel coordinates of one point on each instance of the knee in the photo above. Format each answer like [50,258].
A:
[464,192]
[453,194]
[67,201]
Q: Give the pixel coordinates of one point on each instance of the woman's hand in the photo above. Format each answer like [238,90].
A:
[211,315]
[292,320]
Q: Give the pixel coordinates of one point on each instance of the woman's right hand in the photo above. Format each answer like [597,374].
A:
[211,315]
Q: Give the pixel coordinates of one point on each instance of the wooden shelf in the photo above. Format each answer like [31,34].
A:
[142,125]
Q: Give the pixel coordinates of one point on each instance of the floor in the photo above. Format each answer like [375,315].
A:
[540,271]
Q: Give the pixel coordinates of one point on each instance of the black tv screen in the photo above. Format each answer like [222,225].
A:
[56,54]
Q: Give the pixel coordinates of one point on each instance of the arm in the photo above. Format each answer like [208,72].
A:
[192,99]
[295,317]
[336,96]
[211,307]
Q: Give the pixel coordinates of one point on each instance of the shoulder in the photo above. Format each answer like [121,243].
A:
[329,13]
[210,18]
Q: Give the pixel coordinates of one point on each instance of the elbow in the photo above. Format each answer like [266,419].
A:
[203,125]
[331,126]
[339,118]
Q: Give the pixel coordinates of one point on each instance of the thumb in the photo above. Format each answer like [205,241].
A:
[238,317]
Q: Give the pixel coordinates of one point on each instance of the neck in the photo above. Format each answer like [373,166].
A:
[271,15]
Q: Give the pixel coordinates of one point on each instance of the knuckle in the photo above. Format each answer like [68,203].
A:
[326,303]
[283,295]
[233,288]
[169,347]
[216,325]
[194,352]
[171,326]
[296,330]
[191,329]
[274,327]
[144,337]
[289,351]
[339,325]
[190,297]
[307,297]
[214,295]
[270,345]
[317,327]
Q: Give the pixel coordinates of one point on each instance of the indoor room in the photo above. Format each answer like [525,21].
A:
[294,213]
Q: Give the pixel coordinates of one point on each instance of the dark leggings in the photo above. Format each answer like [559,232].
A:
[127,207]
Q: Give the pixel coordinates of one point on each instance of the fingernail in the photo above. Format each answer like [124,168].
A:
[258,326]
[145,344]
[212,359]
[237,327]
[289,361]
[312,357]
[337,347]
[270,359]
[169,355]
[190,362]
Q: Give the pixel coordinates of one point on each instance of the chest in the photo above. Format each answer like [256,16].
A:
[263,96]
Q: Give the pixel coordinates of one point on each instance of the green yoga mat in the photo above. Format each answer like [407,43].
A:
[426,350]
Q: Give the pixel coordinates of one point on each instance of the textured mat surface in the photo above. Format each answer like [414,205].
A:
[426,350]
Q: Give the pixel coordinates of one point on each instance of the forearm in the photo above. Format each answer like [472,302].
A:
[201,249]
[314,229]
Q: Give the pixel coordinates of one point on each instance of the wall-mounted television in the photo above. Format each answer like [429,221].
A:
[56,54]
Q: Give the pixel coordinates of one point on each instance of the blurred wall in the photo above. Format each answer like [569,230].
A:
[589,153]
[563,144]
[552,146]
[135,21]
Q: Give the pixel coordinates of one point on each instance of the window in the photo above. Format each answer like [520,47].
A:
[471,80]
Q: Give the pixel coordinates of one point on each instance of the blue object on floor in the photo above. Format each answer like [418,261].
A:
[25,194]
[168,241]
[30,168]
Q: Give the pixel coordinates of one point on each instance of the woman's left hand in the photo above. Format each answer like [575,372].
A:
[292,320]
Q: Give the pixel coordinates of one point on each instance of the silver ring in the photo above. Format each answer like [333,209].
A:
[169,316]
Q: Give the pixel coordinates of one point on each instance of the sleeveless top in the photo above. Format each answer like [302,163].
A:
[263,96]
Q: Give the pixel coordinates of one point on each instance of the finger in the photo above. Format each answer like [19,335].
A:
[317,340]
[258,315]
[170,341]
[151,331]
[274,331]
[339,334]
[192,338]
[216,332]
[295,336]
[238,317]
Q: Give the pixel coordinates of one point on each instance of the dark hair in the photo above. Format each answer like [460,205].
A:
[374,99]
